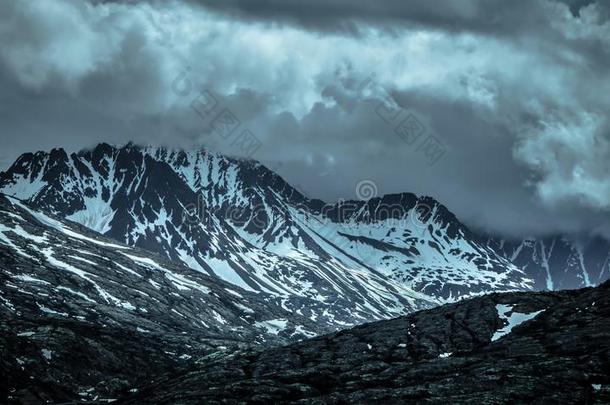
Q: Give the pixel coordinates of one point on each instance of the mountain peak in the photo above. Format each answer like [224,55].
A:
[239,221]
[157,197]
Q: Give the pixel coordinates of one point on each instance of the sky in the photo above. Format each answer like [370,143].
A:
[497,109]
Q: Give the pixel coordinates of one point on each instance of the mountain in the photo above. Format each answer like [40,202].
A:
[65,263]
[238,221]
[496,349]
[143,198]
[87,319]
[86,316]
[558,262]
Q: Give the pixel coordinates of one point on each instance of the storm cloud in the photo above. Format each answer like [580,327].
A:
[514,94]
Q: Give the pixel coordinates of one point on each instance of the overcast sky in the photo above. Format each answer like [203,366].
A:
[499,109]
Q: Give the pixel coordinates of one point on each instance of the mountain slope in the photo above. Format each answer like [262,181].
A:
[65,271]
[496,349]
[557,263]
[240,222]
[80,313]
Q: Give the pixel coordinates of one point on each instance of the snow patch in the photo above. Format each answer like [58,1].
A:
[505,312]
[47,354]
[273,326]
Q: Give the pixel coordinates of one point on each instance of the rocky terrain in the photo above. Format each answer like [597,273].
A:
[496,349]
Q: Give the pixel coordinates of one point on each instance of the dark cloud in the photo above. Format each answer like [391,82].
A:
[576,5]
[500,17]
[514,91]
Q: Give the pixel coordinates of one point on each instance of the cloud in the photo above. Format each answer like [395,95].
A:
[515,93]
[487,16]
[570,154]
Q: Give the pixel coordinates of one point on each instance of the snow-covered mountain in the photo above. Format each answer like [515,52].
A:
[87,319]
[83,316]
[560,262]
[56,270]
[240,222]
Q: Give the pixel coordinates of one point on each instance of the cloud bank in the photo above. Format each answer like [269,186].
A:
[515,93]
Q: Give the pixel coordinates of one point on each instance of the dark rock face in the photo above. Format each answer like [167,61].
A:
[54,360]
[450,354]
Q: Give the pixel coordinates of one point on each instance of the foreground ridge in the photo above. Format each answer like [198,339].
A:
[500,348]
